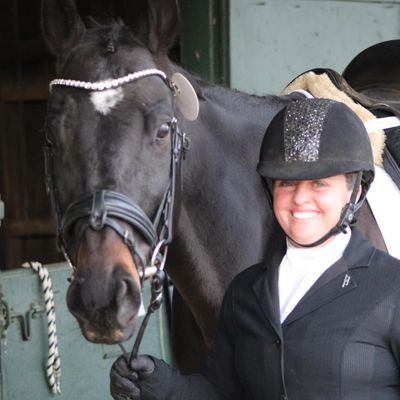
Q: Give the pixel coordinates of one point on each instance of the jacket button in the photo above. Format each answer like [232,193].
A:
[278,342]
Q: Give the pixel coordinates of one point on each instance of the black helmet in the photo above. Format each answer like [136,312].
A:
[318,138]
[315,138]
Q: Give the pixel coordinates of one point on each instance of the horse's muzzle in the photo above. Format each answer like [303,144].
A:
[105,306]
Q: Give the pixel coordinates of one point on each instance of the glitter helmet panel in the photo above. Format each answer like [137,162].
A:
[302,127]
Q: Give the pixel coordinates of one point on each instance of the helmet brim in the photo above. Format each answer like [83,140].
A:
[304,171]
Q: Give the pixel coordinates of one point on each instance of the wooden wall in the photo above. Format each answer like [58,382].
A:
[27,231]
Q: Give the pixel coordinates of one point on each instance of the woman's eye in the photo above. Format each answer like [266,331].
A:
[163,131]
[285,183]
[319,184]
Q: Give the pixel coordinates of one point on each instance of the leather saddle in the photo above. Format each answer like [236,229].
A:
[375,73]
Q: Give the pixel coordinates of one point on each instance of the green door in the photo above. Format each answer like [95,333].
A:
[85,366]
[205,38]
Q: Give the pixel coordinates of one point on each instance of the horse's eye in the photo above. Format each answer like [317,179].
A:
[163,131]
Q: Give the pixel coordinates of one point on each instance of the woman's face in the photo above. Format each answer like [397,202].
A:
[307,210]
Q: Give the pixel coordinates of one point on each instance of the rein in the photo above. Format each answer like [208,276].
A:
[103,208]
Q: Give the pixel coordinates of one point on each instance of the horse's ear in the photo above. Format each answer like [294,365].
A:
[62,27]
[163,28]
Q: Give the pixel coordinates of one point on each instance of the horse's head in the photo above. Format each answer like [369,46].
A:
[109,157]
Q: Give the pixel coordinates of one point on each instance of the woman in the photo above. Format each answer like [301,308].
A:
[320,318]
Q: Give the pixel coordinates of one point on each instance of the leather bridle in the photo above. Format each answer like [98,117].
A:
[105,208]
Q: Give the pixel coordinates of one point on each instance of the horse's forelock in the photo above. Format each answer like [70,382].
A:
[111,35]
[96,51]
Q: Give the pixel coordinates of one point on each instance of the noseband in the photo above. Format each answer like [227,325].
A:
[105,208]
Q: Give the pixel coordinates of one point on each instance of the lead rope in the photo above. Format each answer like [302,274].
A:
[53,365]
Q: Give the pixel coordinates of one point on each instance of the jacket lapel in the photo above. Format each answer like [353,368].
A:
[336,281]
[267,292]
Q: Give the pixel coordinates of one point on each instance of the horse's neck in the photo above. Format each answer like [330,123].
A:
[219,175]
[235,120]
[229,132]
[219,178]
[223,213]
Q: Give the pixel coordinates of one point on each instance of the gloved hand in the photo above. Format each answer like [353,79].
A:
[125,379]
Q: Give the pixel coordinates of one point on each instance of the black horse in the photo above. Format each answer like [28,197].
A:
[111,161]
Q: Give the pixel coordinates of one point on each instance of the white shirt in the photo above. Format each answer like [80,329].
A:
[301,267]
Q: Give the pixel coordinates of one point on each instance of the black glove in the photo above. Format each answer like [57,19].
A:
[125,379]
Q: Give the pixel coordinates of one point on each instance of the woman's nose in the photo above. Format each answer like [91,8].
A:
[301,193]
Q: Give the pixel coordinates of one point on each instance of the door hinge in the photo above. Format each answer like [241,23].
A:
[8,316]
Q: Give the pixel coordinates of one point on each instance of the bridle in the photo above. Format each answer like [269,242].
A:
[105,208]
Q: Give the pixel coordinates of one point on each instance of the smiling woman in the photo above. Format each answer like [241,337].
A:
[311,169]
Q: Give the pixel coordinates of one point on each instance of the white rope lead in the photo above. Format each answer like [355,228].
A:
[53,366]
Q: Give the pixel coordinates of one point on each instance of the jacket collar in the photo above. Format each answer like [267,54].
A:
[266,285]
[336,280]
[359,251]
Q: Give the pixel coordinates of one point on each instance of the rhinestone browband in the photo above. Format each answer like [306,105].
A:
[109,83]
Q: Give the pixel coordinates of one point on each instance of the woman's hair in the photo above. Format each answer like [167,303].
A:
[350,179]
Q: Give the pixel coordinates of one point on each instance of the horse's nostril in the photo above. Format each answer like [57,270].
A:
[122,290]
[127,290]
[128,300]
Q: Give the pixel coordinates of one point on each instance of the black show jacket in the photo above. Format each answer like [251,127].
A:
[341,341]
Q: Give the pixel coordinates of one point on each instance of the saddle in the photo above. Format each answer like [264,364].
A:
[375,73]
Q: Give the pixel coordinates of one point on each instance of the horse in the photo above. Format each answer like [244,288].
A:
[113,154]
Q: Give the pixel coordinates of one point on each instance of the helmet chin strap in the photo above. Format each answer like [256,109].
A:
[347,216]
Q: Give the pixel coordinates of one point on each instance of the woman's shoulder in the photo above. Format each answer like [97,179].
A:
[245,279]
[252,272]
[274,254]
[361,251]
[385,260]
[378,257]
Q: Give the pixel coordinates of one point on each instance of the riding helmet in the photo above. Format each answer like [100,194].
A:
[313,139]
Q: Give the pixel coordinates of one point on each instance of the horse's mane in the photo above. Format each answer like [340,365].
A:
[215,89]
